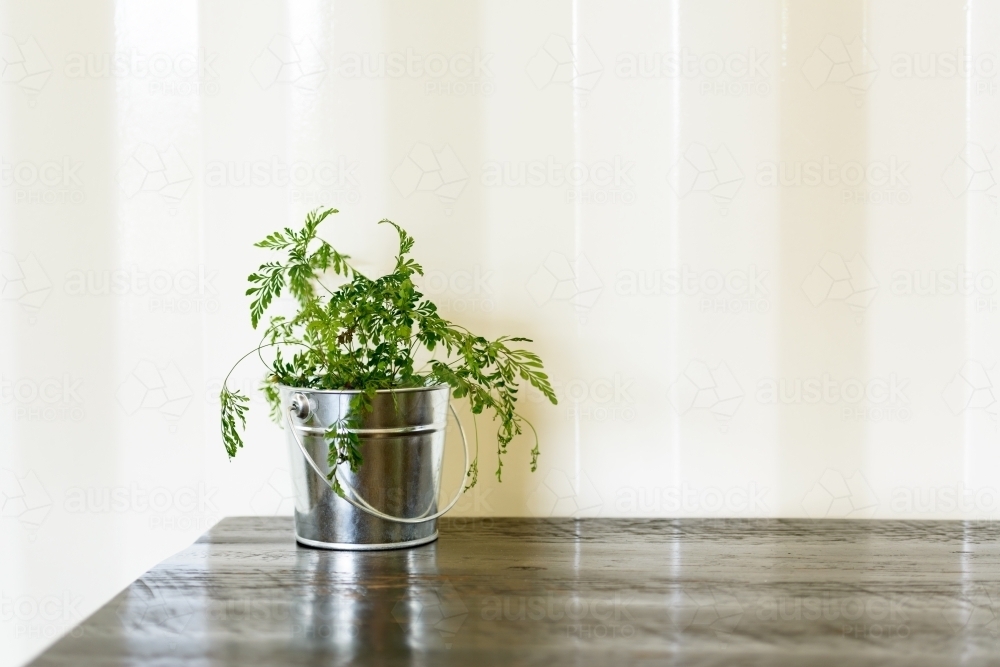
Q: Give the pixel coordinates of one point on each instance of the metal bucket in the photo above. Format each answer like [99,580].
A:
[391,501]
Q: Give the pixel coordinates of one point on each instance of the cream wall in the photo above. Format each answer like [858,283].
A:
[798,219]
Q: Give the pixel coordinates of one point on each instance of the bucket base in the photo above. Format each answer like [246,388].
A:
[347,546]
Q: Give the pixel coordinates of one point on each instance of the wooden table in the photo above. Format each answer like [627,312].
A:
[565,592]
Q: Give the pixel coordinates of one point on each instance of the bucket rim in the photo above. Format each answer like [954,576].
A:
[400,390]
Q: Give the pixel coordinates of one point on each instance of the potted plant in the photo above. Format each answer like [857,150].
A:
[365,423]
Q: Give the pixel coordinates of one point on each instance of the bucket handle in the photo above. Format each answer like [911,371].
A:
[300,408]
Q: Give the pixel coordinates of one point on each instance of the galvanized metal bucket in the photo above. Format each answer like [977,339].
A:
[391,501]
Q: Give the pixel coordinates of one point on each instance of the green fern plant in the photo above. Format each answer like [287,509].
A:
[364,335]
